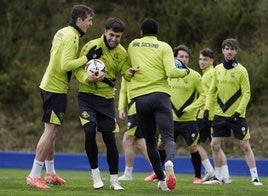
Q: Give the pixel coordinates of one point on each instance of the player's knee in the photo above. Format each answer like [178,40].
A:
[140,143]
[215,146]
[90,128]
[127,141]
[245,146]
[108,137]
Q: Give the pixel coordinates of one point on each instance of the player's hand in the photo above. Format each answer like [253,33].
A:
[133,70]
[235,117]
[187,69]
[181,65]
[122,114]
[94,53]
[95,77]
[206,115]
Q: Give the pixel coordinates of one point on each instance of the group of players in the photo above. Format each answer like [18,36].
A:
[159,93]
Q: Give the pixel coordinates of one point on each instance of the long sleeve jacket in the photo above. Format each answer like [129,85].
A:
[116,62]
[156,64]
[232,90]
[63,59]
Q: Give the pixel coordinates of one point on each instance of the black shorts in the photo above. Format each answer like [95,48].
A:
[188,130]
[132,128]
[134,132]
[204,127]
[222,127]
[132,121]
[54,107]
[96,109]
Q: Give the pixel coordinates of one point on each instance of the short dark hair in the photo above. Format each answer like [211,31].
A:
[149,26]
[207,52]
[181,47]
[81,11]
[230,42]
[115,24]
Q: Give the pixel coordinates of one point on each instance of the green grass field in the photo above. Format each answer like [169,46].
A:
[79,183]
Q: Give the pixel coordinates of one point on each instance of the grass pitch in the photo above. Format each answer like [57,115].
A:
[79,183]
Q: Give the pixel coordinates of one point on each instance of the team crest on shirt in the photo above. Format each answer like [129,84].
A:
[116,55]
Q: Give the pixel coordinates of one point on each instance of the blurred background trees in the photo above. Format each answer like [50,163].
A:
[27,28]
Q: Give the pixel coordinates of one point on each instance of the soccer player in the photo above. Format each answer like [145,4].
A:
[133,135]
[96,100]
[187,96]
[230,84]
[149,88]
[54,87]
[206,60]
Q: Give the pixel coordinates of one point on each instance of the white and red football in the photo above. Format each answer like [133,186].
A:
[95,66]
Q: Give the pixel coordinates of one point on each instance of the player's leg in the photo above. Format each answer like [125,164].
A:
[54,105]
[45,144]
[51,176]
[251,162]
[112,159]
[141,146]
[164,120]
[196,161]
[226,179]
[107,126]
[217,156]
[89,121]
[129,152]
[161,150]
[220,130]
[204,126]
[190,133]
[241,132]
[146,120]
[218,160]
[209,170]
[91,149]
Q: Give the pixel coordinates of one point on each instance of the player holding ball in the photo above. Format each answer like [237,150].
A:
[96,100]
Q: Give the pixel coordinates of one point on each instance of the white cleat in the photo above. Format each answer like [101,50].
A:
[97,182]
[170,175]
[163,186]
[125,178]
[214,181]
[256,182]
[208,176]
[227,180]
[115,185]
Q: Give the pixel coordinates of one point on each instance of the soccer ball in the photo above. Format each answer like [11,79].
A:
[95,66]
[178,63]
